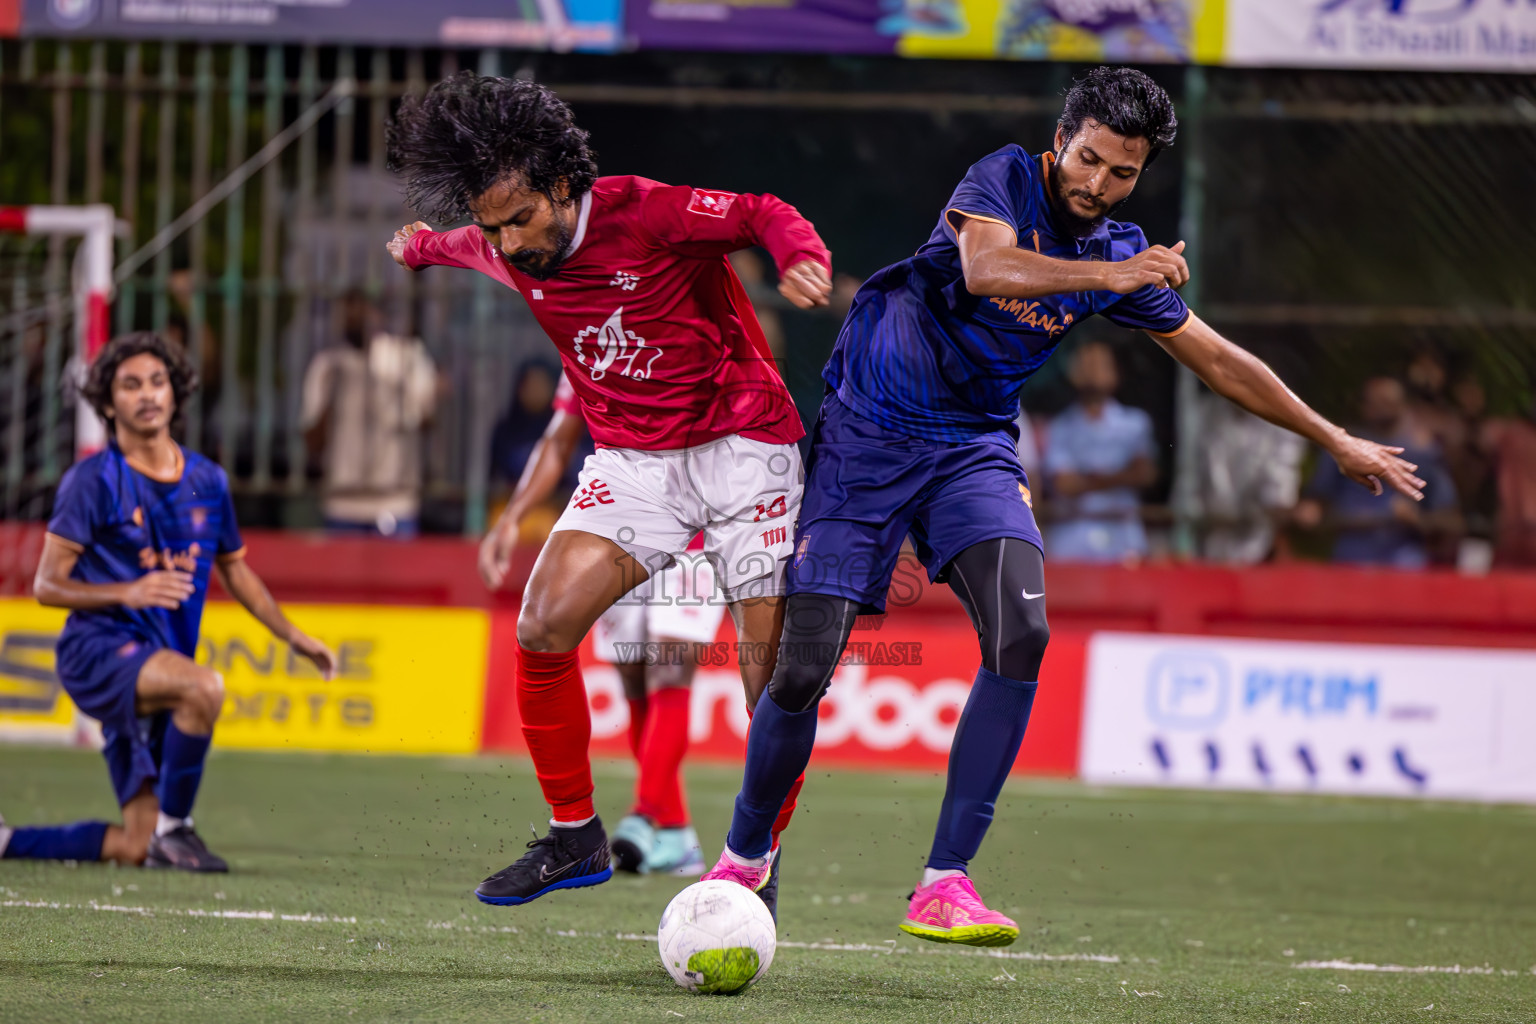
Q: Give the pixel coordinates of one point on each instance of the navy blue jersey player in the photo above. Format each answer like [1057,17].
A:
[137,530]
[916,437]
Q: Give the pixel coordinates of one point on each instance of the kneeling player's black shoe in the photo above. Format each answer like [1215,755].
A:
[769,893]
[566,858]
[183,849]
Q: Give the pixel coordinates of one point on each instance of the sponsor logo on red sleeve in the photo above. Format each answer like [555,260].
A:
[711,204]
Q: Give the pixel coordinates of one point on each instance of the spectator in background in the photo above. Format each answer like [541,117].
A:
[1250,475]
[518,431]
[1513,445]
[1383,529]
[1432,419]
[1098,456]
[207,356]
[752,269]
[1471,462]
[366,401]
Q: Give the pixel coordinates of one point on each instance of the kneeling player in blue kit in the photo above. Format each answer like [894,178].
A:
[136,531]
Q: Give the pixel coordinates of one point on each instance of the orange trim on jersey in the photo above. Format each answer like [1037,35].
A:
[74,546]
[1177,330]
[181,467]
[231,556]
[976,216]
[1037,240]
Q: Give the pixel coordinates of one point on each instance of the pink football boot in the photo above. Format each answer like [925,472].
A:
[950,911]
[753,878]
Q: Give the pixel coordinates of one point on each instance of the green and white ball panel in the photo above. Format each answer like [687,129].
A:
[716,937]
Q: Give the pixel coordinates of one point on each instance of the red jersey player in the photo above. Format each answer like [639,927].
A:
[653,636]
[694,427]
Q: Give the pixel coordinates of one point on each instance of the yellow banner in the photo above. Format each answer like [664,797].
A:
[33,706]
[408,680]
[1155,31]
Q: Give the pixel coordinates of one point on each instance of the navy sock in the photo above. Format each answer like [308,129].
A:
[986,743]
[778,749]
[181,771]
[80,841]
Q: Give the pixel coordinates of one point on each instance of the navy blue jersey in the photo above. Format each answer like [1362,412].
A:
[921,355]
[124,524]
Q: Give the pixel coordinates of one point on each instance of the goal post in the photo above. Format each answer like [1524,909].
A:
[91,282]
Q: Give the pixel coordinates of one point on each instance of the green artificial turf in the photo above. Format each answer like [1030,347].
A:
[1134,905]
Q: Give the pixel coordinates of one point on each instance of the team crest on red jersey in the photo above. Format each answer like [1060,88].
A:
[711,204]
[611,346]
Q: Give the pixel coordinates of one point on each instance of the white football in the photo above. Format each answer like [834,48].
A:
[716,937]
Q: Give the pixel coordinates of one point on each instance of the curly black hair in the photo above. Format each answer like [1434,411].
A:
[1125,101]
[97,388]
[470,132]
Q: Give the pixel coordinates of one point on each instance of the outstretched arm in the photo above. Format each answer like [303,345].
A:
[246,587]
[699,222]
[1243,378]
[995,267]
[416,245]
[544,469]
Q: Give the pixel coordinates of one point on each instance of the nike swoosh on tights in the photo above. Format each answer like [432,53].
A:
[1032,597]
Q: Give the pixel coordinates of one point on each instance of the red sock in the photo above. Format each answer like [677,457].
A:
[552,700]
[659,790]
[639,707]
[787,810]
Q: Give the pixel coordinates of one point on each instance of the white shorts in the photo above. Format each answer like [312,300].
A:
[678,603]
[744,495]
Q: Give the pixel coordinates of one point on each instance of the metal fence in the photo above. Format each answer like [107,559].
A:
[251,184]
[1336,220]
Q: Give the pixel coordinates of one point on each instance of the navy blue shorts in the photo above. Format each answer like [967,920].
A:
[99,669]
[867,487]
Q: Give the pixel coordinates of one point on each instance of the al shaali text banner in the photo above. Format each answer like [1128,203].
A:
[1450,35]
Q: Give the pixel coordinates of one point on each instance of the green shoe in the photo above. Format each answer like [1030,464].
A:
[675,851]
[632,843]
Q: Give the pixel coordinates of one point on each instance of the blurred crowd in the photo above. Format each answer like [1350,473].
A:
[1100,477]
[1262,496]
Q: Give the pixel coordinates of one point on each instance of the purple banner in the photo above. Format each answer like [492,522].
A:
[532,24]
[791,26]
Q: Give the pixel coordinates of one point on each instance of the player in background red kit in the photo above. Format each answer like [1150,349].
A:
[694,428]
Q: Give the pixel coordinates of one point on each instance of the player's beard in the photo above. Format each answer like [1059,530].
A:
[542,264]
[1075,223]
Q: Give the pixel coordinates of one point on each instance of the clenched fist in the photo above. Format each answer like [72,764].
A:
[396,245]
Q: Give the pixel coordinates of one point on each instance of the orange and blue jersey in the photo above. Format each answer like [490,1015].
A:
[124,523]
[921,356]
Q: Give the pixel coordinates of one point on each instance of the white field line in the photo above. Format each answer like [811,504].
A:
[888,948]
[1351,965]
[240,915]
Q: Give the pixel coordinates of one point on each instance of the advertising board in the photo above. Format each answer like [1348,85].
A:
[1337,718]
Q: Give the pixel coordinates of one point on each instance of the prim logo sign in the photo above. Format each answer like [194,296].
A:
[601,348]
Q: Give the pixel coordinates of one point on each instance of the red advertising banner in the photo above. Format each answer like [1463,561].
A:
[894,701]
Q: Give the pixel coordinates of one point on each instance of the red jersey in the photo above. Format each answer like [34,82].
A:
[657,335]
